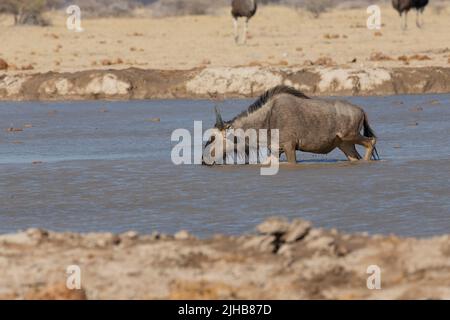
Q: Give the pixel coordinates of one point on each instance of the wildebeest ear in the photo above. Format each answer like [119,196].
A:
[219,122]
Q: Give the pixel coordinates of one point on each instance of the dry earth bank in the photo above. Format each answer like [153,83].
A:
[221,83]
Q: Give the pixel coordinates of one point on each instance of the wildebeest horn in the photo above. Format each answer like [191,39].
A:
[219,122]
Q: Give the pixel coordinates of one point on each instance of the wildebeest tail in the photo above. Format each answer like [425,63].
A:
[369,133]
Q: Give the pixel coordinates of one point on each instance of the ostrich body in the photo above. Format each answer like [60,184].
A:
[403,7]
[242,9]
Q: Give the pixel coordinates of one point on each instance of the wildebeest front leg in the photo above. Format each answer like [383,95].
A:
[350,151]
[289,150]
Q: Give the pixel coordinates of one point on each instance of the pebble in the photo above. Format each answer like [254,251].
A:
[182,235]
[133,235]
[273,225]
[297,230]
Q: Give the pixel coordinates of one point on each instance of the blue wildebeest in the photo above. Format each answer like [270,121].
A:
[304,124]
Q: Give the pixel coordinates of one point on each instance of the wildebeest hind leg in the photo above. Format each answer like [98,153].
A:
[368,143]
[350,151]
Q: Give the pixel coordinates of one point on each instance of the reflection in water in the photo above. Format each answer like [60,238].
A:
[111,171]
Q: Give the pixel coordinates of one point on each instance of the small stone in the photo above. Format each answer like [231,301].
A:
[341,250]
[3,64]
[334,232]
[262,243]
[182,235]
[133,235]
[101,243]
[297,230]
[286,250]
[37,234]
[155,235]
[154,120]
[273,226]
[11,129]
[321,243]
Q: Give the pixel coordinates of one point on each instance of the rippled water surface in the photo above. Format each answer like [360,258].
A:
[111,171]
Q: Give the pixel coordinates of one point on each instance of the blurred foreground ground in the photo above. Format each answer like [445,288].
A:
[283,261]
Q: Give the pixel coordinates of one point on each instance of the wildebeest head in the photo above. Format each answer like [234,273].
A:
[217,143]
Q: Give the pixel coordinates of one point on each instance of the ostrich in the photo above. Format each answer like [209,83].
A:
[245,9]
[403,6]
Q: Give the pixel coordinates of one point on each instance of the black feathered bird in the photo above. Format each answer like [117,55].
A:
[242,9]
[403,7]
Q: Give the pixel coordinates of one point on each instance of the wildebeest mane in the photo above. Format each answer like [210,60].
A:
[266,96]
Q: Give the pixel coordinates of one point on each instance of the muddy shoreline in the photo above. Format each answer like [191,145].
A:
[280,260]
[220,83]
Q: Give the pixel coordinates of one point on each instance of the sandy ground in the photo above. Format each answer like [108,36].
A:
[282,261]
[278,36]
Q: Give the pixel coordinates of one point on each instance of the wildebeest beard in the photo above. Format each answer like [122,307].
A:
[236,147]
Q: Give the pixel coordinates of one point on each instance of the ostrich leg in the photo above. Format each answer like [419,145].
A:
[418,20]
[245,30]
[405,21]
[235,25]
[421,22]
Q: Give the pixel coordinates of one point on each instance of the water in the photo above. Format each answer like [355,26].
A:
[111,171]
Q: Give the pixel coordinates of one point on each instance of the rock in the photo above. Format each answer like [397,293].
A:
[273,226]
[3,64]
[155,236]
[27,67]
[37,234]
[154,120]
[320,243]
[57,291]
[286,250]
[17,239]
[263,243]
[182,235]
[11,129]
[341,250]
[106,240]
[131,235]
[297,230]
